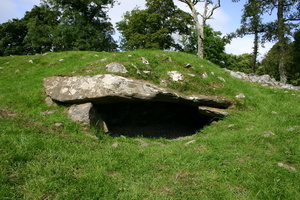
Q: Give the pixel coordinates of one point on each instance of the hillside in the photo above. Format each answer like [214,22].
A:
[252,154]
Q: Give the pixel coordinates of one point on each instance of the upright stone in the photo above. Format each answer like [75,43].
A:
[86,114]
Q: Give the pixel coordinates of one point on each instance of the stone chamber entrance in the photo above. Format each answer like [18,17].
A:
[152,119]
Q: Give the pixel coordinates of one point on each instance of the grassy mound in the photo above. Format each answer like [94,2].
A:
[251,154]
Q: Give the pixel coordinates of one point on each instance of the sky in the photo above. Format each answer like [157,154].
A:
[225,19]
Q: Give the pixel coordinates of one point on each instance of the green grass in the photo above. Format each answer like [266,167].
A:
[230,159]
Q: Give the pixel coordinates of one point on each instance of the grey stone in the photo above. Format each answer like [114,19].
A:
[143,143]
[204,75]
[281,164]
[59,125]
[190,142]
[109,88]
[49,101]
[163,82]
[188,66]
[86,114]
[116,67]
[212,112]
[240,96]
[221,79]
[145,61]
[176,76]
[264,80]
[147,72]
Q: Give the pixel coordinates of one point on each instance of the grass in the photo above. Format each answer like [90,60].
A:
[236,158]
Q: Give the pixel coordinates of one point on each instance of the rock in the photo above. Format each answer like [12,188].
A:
[269,134]
[221,79]
[263,80]
[176,76]
[86,114]
[145,61]
[143,143]
[103,59]
[137,69]
[1,67]
[170,59]
[240,96]
[116,67]
[204,75]
[115,144]
[17,71]
[147,72]
[281,164]
[30,61]
[163,82]
[190,142]
[49,101]
[192,75]
[188,66]
[59,125]
[212,112]
[109,88]
[48,112]
[60,60]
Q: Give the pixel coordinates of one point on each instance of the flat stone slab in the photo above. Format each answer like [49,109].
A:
[212,112]
[109,88]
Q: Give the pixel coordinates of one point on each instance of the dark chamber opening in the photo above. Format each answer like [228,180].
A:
[154,120]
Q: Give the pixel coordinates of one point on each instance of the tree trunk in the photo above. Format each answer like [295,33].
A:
[255,52]
[282,69]
[199,29]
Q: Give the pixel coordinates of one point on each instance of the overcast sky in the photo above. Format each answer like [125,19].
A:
[226,18]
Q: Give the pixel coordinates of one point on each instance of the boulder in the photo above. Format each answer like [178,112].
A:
[86,114]
[116,67]
[176,76]
[109,88]
[212,112]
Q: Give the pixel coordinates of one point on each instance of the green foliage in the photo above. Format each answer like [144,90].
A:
[153,27]
[242,63]
[59,26]
[214,45]
[291,57]
[12,35]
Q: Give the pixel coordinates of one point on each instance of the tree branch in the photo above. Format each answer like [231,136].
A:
[218,5]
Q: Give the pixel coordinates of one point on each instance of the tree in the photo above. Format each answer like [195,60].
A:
[291,57]
[153,27]
[287,12]
[41,22]
[251,23]
[83,25]
[12,35]
[207,14]
[242,63]
[214,48]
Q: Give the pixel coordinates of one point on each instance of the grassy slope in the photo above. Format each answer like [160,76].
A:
[230,159]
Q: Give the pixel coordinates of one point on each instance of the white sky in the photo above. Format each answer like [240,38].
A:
[226,19]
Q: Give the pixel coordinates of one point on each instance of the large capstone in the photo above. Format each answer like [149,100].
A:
[108,88]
